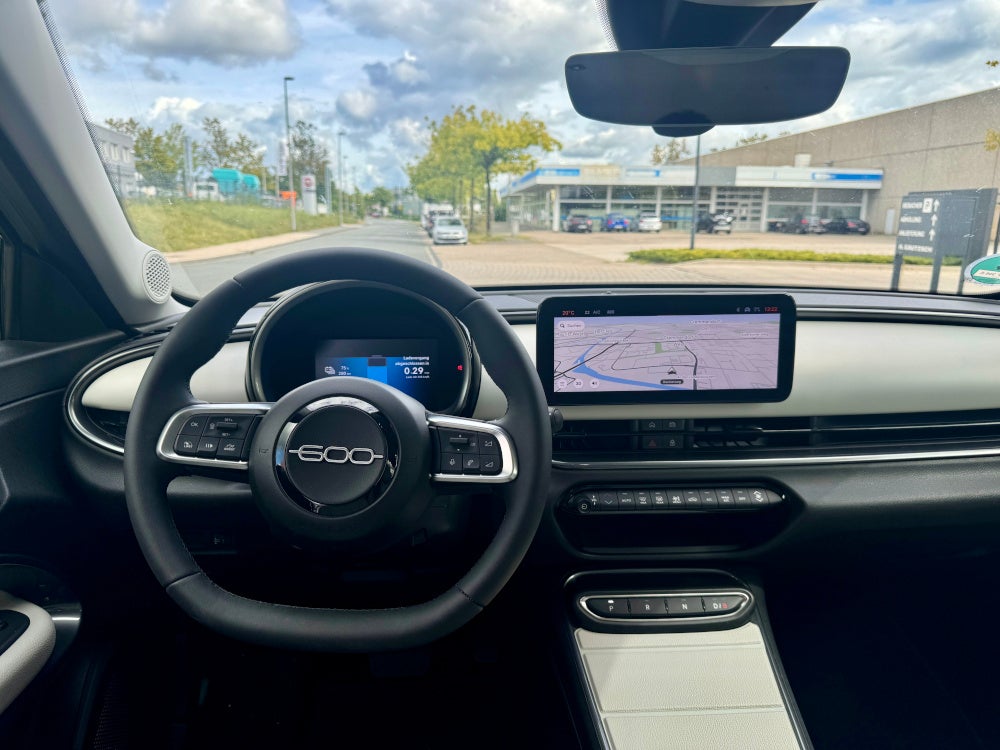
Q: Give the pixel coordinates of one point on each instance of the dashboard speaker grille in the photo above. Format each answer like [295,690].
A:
[156,276]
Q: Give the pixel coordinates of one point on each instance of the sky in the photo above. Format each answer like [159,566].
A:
[380,69]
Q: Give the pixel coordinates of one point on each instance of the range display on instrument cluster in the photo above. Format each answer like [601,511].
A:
[405,364]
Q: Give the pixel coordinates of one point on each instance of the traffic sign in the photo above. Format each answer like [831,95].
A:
[945,223]
[985,270]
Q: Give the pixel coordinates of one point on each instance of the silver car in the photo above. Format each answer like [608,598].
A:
[449,230]
[649,221]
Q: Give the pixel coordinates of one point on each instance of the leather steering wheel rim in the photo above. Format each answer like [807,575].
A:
[164,390]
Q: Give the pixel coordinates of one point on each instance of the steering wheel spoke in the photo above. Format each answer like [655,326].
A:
[471,452]
[210,437]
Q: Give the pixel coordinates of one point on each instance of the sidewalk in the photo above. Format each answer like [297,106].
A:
[250,246]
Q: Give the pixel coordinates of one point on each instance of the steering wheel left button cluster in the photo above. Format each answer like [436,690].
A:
[223,436]
[210,437]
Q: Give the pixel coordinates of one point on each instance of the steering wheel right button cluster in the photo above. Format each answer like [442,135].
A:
[468,452]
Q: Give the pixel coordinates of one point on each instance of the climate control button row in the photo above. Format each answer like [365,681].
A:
[642,500]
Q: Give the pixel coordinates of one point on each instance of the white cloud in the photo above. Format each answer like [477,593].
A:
[408,133]
[359,104]
[904,54]
[174,108]
[230,33]
[380,68]
[494,54]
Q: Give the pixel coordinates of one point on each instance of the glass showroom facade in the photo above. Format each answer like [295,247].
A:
[759,198]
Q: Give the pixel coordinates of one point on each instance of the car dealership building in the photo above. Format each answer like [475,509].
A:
[753,195]
[859,169]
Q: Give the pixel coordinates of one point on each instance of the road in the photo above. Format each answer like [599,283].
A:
[401,237]
[562,259]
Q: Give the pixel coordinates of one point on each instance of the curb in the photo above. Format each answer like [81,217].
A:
[250,246]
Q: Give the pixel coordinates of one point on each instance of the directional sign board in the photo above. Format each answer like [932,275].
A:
[946,223]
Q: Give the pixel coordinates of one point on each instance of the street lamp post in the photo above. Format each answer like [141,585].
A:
[697,185]
[288,140]
[340,174]
[354,189]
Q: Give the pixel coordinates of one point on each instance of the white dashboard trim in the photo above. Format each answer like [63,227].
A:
[830,356]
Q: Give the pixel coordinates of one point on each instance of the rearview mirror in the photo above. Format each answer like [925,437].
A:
[702,87]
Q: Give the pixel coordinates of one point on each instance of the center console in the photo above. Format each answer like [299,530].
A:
[667,657]
[680,659]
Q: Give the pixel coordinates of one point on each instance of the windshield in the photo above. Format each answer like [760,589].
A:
[236,132]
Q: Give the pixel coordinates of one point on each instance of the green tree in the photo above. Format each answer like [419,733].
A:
[674,150]
[310,156]
[503,146]
[381,196]
[472,146]
[220,150]
[216,151]
[447,171]
[159,157]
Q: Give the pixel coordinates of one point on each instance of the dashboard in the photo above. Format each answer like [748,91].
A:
[903,385]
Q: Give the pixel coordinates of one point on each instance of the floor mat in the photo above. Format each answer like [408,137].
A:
[861,677]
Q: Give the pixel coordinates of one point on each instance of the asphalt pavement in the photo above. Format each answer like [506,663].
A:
[562,259]
[402,237]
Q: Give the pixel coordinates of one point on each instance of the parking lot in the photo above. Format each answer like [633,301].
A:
[600,258]
[615,246]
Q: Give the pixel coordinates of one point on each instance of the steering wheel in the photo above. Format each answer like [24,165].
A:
[339,462]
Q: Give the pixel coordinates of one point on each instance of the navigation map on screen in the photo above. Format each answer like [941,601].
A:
[708,352]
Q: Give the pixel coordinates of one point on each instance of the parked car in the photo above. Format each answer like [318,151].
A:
[715,223]
[797,224]
[847,226]
[813,224]
[649,221]
[432,217]
[616,222]
[578,223]
[449,230]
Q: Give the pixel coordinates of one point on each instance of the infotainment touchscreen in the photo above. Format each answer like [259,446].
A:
[666,348]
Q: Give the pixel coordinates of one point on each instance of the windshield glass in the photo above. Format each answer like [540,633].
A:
[236,132]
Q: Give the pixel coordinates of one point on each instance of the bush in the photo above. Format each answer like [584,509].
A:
[683,256]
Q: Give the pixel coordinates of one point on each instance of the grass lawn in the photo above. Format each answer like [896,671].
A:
[481,238]
[681,256]
[182,225]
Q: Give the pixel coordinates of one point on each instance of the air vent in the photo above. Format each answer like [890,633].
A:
[775,437]
[107,424]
